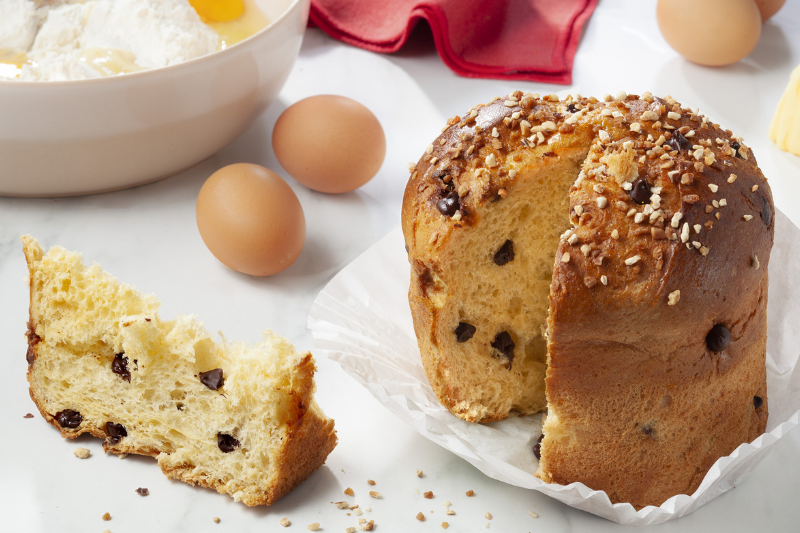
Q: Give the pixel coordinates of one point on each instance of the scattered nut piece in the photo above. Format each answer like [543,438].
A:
[450,512]
[533,515]
[370,482]
[445,525]
[350,530]
[313,527]
[341,505]
[216,519]
[374,494]
[349,491]
[470,493]
[106,517]
[143,491]
[420,516]
[285,522]
[359,512]
[369,526]
[674,297]
[81,453]
[428,494]
[488,515]
[564,259]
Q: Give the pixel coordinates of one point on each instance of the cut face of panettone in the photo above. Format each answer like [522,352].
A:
[235,417]
[605,261]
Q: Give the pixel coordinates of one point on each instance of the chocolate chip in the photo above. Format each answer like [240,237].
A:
[648,430]
[226,443]
[758,401]
[537,448]
[30,355]
[119,366]
[718,338]
[735,145]
[640,192]
[464,332]
[448,204]
[69,418]
[679,142]
[33,340]
[504,254]
[766,211]
[504,344]
[212,379]
[571,108]
[115,432]
[142,491]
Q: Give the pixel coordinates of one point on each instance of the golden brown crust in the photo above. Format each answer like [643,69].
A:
[638,404]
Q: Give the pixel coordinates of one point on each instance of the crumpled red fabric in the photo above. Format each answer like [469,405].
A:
[532,40]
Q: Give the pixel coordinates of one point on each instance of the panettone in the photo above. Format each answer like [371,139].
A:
[237,418]
[614,251]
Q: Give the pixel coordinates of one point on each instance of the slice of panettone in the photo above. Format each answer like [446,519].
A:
[231,416]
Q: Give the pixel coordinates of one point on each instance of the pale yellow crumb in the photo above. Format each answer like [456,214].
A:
[81,453]
[106,517]
[285,522]
[315,525]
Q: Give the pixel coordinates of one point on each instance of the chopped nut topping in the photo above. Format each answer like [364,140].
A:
[586,249]
[754,188]
[649,116]
[632,260]
[676,220]
[714,188]
[603,136]
[685,232]
[690,198]
[285,522]
[636,127]
[491,161]
[604,279]
[495,133]
[723,202]
[638,217]
[511,103]
[704,250]
[754,262]
[674,116]
[748,218]
[687,178]
[470,493]
[674,297]
[564,259]
[697,228]
[579,210]
[420,516]
[429,149]
[602,202]
[614,234]
[572,239]
[732,178]
[374,494]
[512,173]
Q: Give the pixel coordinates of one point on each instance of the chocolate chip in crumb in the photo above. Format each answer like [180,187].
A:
[718,338]
[212,379]
[30,355]
[758,401]
[537,448]
[648,430]
[69,418]
[464,331]
[448,204]
[505,254]
[679,142]
[142,491]
[766,212]
[226,443]
[571,108]
[735,146]
[119,366]
[640,192]
[115,432]
[504,344]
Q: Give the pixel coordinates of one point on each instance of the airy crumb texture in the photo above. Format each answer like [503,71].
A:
[81,453]
[235,417]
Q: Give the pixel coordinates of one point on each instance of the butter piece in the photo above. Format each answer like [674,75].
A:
[785,128]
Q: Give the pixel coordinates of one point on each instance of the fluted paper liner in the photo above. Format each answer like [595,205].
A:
[361,320]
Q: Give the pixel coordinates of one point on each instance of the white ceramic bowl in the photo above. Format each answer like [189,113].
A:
[87,136]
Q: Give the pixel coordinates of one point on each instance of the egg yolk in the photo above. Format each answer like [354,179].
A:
[218,10]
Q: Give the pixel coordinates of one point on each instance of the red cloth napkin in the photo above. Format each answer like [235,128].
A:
[533,40]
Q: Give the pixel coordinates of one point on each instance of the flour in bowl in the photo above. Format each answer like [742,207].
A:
[59,40]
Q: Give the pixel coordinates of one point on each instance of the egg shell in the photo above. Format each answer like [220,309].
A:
[250,219]
[329,143]
[710,32]
[769,8]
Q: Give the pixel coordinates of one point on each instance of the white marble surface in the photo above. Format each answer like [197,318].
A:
[147,237]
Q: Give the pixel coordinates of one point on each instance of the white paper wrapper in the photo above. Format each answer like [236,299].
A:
[362,321]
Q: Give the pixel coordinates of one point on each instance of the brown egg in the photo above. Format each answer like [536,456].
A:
[329,143]
[710,32]
[769,8]
[251,219]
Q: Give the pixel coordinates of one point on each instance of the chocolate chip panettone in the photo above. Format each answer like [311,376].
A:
[613,251]
[237,418]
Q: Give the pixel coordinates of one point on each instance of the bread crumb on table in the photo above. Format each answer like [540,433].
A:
[375,494]
[350,530]
[450,512]
[341,505]
[81,453]
[428,494]
[285,522]
[370,482]
[533,515]
[420,516]
[349,491]
[488,515]
[445,525]
[216,519]
[470,493]
[419,473]
[106,517]
[313,527]
[143,491]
